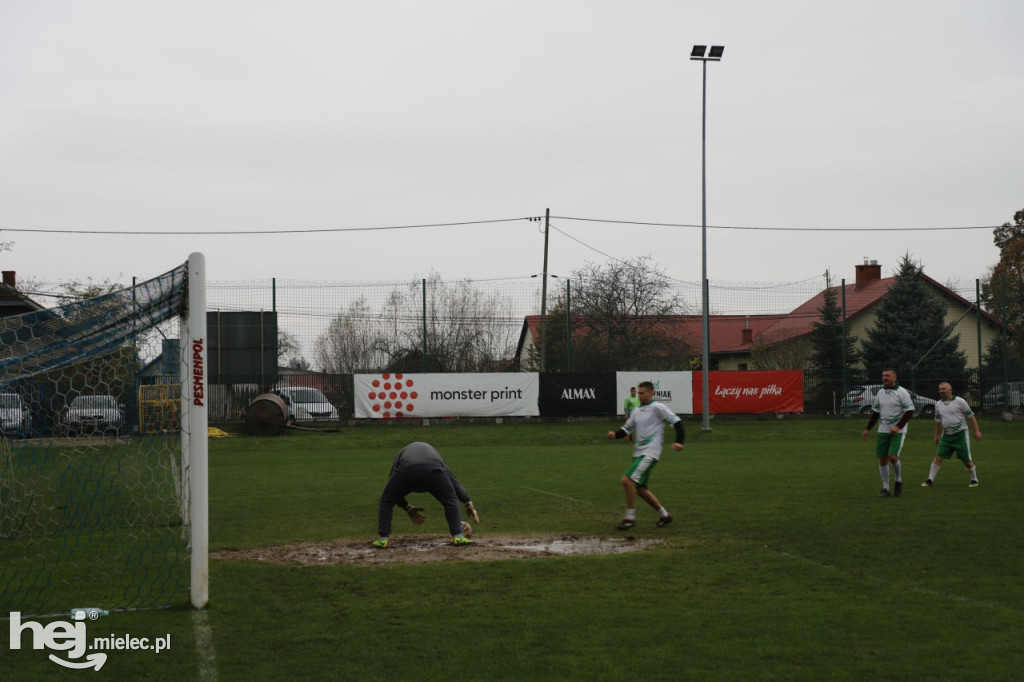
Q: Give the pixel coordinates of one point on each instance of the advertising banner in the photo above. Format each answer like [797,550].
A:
[394,396]
[751,392]
[675,389]
[577,394]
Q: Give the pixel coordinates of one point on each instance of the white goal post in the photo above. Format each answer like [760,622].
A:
[104,459]
[195,429]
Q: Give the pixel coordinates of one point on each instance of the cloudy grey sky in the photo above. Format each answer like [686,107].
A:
[256,115]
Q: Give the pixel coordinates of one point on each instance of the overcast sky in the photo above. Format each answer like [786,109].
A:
[251,115]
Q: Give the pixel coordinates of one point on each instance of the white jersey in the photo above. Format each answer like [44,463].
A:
[890,404]
[953,414]
[646,424]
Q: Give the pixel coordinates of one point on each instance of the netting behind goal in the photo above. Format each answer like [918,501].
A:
[100,401]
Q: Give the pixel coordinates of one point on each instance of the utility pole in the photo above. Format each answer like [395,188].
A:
[544,294]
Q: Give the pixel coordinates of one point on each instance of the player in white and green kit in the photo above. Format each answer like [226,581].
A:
[646,425]
[892,407]
[951,416]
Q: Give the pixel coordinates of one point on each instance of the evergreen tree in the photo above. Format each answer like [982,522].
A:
[999,360]
[909,333]
[827,340]
[828,362]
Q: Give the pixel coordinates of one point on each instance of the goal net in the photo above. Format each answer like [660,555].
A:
[103,450]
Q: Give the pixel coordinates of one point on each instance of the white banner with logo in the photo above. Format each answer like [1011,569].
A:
[675,389]
[397,396]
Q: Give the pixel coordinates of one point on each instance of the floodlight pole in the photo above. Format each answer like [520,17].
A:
[698,54]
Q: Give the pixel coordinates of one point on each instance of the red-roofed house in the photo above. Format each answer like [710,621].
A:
[12,301]
[734,337]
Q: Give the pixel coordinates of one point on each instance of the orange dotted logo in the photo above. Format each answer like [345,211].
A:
[392,396]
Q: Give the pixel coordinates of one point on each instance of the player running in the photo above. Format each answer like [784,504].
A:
[646,425]
[951,417]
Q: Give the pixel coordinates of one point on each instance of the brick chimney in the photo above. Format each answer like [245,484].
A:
[867,272]
[9,279]
[748,333]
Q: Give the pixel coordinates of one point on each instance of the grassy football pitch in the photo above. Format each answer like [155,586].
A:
[782,562]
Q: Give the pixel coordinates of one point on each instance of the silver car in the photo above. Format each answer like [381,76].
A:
[859,398]
[1013,400]
[94,414]
[15,418]
[307,404]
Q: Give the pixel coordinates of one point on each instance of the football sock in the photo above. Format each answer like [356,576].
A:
[934,471]
[883,470]
[663,512]
[973,471]
[630,514]
[898,470]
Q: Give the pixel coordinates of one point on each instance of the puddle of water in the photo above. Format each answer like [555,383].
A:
[585,546]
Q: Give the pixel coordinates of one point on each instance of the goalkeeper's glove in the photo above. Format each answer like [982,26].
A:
[415,513]
[471,510]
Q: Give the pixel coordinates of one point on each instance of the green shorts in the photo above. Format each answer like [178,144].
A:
[889,445]
[640,470]
[954,442]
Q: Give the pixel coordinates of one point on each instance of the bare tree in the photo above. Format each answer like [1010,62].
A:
[468,330]
[352,341]
[624,314]
[465,329]
[289,351]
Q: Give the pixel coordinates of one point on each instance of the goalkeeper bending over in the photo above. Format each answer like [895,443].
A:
[419,468]
[646,424]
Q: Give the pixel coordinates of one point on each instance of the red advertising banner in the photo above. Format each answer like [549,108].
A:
[751,392]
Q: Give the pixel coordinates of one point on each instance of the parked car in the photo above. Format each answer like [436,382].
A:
[859,398]
[94,414]
[1012,401]
[307,404]
[15,417]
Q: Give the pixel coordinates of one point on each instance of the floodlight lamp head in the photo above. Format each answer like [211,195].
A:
[716,51]
[698,51]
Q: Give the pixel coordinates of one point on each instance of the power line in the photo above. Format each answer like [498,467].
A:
[244,232]
[780,229]
[141,233]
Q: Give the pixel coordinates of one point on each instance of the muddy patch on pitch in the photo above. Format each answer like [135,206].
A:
[422,549]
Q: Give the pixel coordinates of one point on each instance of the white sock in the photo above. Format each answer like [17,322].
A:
[934,471]
[973,471]
[898,470]
[663,512]
[883,470]
[630,514]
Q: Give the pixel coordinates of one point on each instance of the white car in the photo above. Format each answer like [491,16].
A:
[307,404]
[1013,400]
[94,414]
[15,418]
[859,398]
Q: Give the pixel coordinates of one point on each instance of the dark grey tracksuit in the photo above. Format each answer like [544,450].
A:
[419,468]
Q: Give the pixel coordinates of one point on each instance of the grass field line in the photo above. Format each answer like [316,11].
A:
[561,497]
[207,664]
[920,590]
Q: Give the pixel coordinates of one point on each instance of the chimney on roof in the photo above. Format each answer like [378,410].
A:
[9,279]
[867,272]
